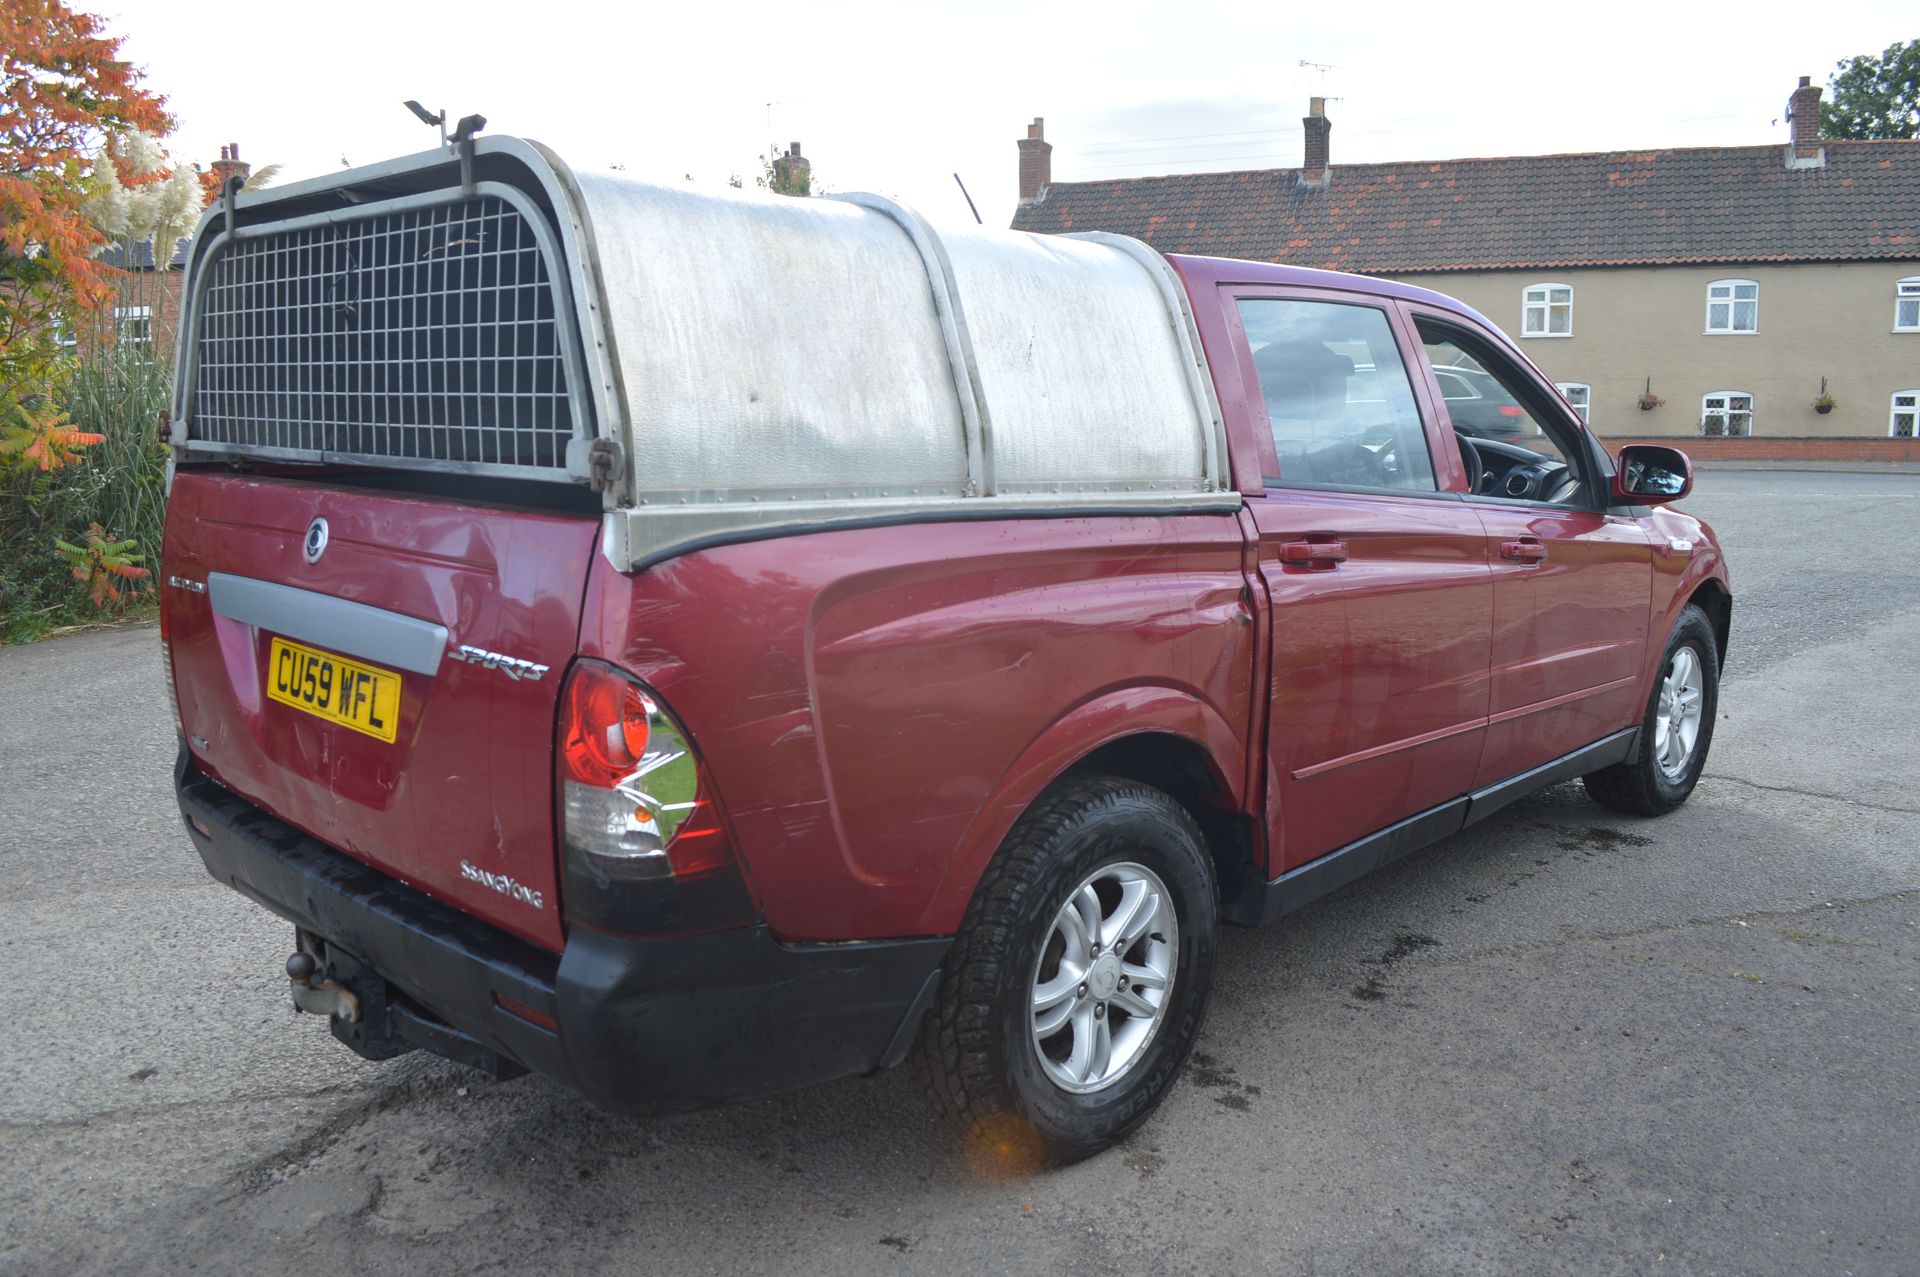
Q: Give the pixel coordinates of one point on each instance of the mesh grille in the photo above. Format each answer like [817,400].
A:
[425,334]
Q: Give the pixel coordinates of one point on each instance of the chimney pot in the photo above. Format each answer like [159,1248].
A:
[1036,162]
[1803,112]
[230,164]
[1316,166]
[793,172]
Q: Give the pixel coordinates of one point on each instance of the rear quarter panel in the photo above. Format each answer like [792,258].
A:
[876,706]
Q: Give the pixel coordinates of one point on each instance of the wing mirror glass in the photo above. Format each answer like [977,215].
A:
[1648,474]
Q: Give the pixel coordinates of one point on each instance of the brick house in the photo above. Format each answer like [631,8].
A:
[1737,284]
[145,314]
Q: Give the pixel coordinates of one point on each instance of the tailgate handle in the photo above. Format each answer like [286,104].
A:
[1319,555]
[354,629]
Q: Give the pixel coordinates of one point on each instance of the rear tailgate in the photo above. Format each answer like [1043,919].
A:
[289,689]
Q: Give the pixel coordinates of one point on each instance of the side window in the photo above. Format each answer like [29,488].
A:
[1494,411]
[1338,398]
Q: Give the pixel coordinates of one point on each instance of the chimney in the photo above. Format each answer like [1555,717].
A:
[1803,113]
[1036,162]
[793,172]
[1316,168]
[230,165]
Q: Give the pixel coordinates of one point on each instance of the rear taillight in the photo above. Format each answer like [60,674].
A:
[645,846]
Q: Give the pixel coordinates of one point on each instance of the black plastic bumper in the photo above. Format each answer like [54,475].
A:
[659,1023]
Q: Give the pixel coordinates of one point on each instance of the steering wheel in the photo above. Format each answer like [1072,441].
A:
[1476,471]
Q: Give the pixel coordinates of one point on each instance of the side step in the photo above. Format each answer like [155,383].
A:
[1260,902]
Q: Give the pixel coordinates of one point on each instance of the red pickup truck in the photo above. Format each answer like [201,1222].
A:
[698,645]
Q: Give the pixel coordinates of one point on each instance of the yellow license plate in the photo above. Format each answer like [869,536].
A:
[363,697]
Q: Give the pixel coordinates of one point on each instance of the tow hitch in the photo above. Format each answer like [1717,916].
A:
[327,980]
[327,997]
[365,1012]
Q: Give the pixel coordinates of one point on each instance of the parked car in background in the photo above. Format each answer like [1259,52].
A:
[1477,405]
[700,645]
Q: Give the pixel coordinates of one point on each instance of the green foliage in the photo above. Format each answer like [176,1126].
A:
[106,507]
[102,563]
[1874,97]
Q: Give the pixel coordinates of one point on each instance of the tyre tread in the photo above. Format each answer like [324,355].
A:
[1630,787]
[953,1057]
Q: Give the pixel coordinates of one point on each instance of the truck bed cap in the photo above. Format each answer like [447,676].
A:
[759,362]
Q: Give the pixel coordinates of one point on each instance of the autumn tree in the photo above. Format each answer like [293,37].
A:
[1875,97]
[64,93]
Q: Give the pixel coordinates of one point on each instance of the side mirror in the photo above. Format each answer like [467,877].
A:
[1648,474]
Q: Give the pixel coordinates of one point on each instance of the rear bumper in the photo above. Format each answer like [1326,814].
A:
[658,1022]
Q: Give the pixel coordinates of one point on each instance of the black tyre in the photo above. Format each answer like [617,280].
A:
[1079,979]
[1677,729]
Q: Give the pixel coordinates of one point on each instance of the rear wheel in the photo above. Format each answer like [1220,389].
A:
[1677,728]
[1079,978]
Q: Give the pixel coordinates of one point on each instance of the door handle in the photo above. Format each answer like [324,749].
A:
[1320,556]
[1525,551]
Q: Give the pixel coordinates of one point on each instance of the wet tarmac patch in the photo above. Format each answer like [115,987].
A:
[1598,838]
[1404,945]
[1209,1074]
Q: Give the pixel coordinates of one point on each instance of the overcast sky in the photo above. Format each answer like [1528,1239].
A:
[897,98]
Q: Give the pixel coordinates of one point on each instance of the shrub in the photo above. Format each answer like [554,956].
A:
[106,503]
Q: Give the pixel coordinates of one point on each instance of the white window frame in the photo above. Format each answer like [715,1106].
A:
[124,330]
[1731,300]
[1906,295]
[1583,406]
[1544,306]
[1910,410]
[1726,412]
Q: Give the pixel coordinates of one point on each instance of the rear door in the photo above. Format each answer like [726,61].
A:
[1571,581]
[381,670]
[1377,578]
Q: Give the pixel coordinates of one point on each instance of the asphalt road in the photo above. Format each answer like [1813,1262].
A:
[1567,1041]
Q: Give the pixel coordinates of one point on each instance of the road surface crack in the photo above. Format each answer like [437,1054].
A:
[1718,777]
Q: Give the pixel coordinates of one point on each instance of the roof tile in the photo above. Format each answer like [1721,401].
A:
[1622,208]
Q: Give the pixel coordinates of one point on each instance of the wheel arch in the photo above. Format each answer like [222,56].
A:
[1160,736]
[1712,597]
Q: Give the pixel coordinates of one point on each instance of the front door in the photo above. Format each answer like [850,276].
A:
[1572,582]
[1378,581]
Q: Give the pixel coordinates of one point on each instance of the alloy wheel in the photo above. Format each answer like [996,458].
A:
[1102,982]
[1676,716]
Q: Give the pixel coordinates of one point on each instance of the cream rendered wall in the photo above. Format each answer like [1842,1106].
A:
[1631,323]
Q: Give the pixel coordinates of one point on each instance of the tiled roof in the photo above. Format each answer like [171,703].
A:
[115,255]
[1623,208]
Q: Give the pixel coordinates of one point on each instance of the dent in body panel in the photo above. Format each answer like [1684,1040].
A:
[470,771]
[861,696]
